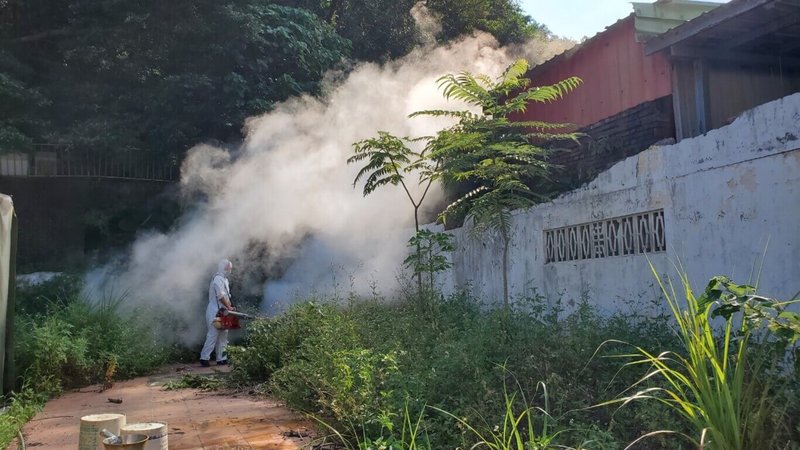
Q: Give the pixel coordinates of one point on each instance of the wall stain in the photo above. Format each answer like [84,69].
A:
[786,138]
[748,180]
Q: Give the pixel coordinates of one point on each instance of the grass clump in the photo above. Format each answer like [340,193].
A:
[19,409]
[730,377]
[63,340]
[80,342]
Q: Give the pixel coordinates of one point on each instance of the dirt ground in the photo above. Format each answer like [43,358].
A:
[195,419]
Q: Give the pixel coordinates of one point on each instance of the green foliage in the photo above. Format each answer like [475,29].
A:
[517,429]
[390,160]
[20,103]
[368,366]
[493,152]
[19,408]
[487,149]
[719,382]
[410,435]
[38,299]
[73,342]
[270,343]
[115,76]
[163,76]
[385,29]
[322,365]
[501,18]
[426,256]
[51,352]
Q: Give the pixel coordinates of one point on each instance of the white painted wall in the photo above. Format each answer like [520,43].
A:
[724,195]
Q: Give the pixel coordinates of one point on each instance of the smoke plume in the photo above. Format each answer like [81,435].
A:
[284,202]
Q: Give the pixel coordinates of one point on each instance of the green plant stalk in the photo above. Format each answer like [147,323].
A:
[707,387]
[510,436]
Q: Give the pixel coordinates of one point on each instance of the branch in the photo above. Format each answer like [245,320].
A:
[402,182]
[430,181]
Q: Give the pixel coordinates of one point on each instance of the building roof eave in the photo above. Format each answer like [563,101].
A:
[706,21]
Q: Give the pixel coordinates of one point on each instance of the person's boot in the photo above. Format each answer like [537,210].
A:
[204,363]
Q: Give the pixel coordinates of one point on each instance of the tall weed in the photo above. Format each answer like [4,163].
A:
[19,409]
[74,342]
[716,382]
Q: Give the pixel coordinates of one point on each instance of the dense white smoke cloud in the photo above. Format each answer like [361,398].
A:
[288,191]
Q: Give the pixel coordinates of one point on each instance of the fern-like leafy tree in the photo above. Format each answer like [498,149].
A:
[504,158]
[389,161]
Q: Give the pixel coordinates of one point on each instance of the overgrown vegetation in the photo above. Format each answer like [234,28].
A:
[728,381]
[431,372]
[63,340]
[19,409]
[364,363]
[427,372]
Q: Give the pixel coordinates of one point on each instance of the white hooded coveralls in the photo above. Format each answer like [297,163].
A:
[216,339]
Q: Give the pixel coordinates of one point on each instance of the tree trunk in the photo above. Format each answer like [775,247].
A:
[505,269]
[416,229]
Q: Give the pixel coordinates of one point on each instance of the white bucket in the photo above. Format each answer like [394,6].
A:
[89,438]
[156,431]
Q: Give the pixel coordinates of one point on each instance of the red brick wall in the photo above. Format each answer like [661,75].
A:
[614,139]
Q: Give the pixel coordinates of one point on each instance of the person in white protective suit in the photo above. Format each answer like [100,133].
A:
[219,296]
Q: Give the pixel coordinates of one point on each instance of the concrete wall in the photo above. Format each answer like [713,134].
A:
[724,196]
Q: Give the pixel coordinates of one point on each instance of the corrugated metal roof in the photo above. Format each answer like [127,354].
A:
[616,74]
[576,48]
[653,19]
[675,12]
[754,26]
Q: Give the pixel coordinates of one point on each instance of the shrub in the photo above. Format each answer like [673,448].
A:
[37,299]
[74,341]
[19,409]
[367,365]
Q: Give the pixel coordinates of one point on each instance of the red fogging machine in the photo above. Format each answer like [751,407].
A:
[229,320]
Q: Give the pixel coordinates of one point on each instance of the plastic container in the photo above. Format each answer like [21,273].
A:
[155,431]
[129,442]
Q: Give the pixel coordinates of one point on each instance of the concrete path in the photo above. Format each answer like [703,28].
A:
[195,419]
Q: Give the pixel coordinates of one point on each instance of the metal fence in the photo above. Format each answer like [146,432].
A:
[64,161]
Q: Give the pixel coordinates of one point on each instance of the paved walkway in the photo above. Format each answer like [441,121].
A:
[195,419]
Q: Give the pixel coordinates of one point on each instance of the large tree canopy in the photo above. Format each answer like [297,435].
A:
[381,29]
[19,124]
[164,75]
[150,74]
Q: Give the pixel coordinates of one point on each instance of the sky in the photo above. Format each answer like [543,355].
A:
[575,19]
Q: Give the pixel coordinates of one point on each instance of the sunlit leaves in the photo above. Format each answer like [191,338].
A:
[388,160]
[488,147]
